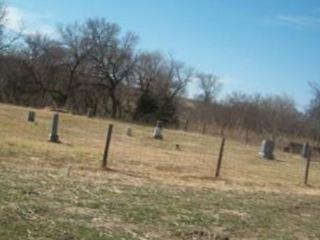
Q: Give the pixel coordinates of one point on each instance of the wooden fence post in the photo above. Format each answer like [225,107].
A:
[247,136]
[306,174]
[106,149]
[186,124]
[306,154]
[53,137]
[177,124]
[204,126]
[220,157]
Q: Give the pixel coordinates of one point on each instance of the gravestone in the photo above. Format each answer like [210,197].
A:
[129,132]
[306,151]
[157,133]
[31,116]
[267,148]
[53,137]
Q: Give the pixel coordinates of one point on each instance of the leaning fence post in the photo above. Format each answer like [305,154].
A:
[220,158]
[306,154]
[106,149]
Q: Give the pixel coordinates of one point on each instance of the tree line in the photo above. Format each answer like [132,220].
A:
[94,64]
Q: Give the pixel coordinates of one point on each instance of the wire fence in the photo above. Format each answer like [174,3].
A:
[180,158]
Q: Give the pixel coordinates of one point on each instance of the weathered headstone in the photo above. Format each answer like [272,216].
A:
[90,113]
[53,137]
[306,151]
[31,116]
[157,133]
[267,148]
[129,132]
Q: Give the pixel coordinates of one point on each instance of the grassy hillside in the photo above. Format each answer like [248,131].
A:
[152,190]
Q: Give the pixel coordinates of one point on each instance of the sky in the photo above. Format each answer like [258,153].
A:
[270,47]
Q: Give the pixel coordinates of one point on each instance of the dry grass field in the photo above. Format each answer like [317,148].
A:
[151,191]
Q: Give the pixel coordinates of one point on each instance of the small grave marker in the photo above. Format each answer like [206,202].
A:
[129,132]
[267,148]
[31,116]
[157,133]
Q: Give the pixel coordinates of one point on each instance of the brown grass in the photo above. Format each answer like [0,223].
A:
[140,159]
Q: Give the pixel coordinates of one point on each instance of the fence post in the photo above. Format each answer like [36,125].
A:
[220,157]
[306,154]
[306,175]
[53,137]
[177,124]
[106,149]
[204,126]
[247,136]
[186,124]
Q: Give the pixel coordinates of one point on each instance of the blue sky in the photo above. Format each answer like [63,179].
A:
[271,46]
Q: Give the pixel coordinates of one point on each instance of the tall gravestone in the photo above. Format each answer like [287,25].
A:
[267,148]
[53,137]
[306,151]
[157,133]
[31,116]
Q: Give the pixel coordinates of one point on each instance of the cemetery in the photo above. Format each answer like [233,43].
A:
[90,166]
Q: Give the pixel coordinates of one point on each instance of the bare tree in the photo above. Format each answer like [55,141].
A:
[210,87]
[42,60]
[313,112]
[178,76]
[148,71]
[76,52]
[113,58]
[2,25]
[314,106]
[7,39]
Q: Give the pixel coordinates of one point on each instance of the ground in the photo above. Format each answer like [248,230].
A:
[152,190]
